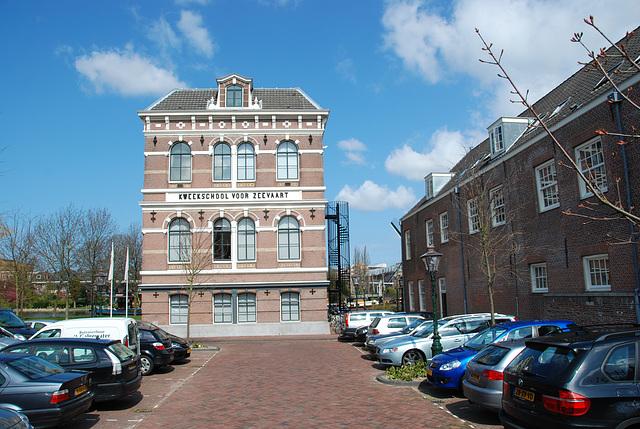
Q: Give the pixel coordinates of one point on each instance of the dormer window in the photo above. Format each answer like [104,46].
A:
[234,96]
[496,140]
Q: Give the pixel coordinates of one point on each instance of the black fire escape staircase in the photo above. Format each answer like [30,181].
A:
[337,216]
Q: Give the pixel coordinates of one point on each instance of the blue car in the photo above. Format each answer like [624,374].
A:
[447,369]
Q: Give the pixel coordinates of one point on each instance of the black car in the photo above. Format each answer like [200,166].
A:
[114,370]
[15,325]
[155,349]
[44,392]
[361,334]
[181,347]
[583,378]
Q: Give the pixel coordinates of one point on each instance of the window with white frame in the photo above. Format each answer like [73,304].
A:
[222,240]
[590,159]
[246,162]
[179,240]
[407,244]
[444,227]
[234,96]
[498,212]
[222,308]
[290,306]
[180,163]
[246,240]
[428,226]
[423,295]
[222,162]
[539,277]
[473,216]
[596,272]
[288,238]
[429,188]
[287,160]
[246,307]
[497,142]
[178,309]
[547,186]
[410,288]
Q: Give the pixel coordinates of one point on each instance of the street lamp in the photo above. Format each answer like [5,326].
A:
[431,261]
[101,283]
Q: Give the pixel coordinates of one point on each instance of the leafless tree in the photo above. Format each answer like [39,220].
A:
[97,229]
[360,267]
[132,239]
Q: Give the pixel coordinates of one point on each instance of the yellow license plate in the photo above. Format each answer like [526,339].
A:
[524,394]
[188,350]
[474,376]
[429,372]
[80,390]
[132,367]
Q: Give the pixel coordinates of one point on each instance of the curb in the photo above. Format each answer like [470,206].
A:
[382,378]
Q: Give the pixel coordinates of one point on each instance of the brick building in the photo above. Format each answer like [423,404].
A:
[233,206]
[558,260]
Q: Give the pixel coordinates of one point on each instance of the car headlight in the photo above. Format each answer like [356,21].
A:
[20,337]
[450,365]
[389,350]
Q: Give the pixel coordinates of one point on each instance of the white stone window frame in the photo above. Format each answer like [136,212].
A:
[539,277]
[589,168]
[497,140]
[547,189]
[596,267]
[423,295]
[428,228]
[444,227]
[498,210]
[473,216]
[407,244]
[411,295]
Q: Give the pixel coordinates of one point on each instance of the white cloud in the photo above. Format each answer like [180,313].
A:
[163,35]
[126,73]
[372,197]
[438,43]
[353,149]
[446,149]
[191,26]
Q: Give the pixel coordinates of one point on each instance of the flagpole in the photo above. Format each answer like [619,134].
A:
[126,280]
[111,280]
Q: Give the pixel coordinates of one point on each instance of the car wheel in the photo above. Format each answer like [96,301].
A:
[146,365]
[412,357]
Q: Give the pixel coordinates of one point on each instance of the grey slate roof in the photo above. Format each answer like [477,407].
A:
[272,99]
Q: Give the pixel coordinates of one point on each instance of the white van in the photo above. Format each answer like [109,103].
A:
[116,328]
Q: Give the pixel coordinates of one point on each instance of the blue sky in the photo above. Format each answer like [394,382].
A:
[402,79]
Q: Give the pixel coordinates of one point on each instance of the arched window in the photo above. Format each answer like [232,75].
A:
[179,240]
[288,238]
[287,161]
[246,307]
[180,162]
[222,240]
[222,162]
[246,162]
[246,240]
[290,306]
[234,96]
[179,309]
[222,310]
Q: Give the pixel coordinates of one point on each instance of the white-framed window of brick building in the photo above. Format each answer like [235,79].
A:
[287,161]
[246,162]
[222,308]
[423,296]
[498,211]
[178,310]
[590,159]
[473,216]
[290,307]
[180,162]
[547,186]
[407,244]
[179,241]
[221,162]
[442,294]
[539,282]
[411,296]
[428,227]
[596,272]
[444,227]
[246,307]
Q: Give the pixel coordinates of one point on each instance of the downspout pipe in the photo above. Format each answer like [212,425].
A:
[615,98]
[456,190]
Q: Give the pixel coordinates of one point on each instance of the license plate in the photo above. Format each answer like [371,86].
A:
[188,350]
[523,394]
[429,372]
[475,377]
[80,390]
[132,367]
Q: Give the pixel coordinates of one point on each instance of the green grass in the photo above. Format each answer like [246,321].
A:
[407,372]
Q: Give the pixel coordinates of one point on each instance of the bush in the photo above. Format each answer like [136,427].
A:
[407,372]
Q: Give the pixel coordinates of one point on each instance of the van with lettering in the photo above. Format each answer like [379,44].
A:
[124,329]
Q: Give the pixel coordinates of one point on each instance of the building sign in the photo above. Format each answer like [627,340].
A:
[233,196]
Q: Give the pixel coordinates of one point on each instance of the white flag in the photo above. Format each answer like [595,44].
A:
[126,268]
[111,264]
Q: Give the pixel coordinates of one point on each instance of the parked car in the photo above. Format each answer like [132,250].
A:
[44,392]
[15,325]
[374,340]
[39,324]
[583,378]
[114,328]
[114,369]
[361,334]
[181,347]
[446,370]
[155,349]
[482,382]
[416,347]
[390,323]
[356,319]
[10,419]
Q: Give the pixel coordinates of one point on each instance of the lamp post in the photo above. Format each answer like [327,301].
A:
[431,261]
[101,283]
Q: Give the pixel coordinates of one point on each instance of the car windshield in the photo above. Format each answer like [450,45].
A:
[123,352]
[10,320]
[34,368]
[161,334]
[411,327]
[546,361]
[485,337]
[491,355]
[423,331]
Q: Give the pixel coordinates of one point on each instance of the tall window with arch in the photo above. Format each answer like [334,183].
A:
[246,240]
[290,306]
[222,240]
[234,96]
[288,238]
[179,240]
[179,310]
[222,162]
[287,159]
[180,163]
[246,162]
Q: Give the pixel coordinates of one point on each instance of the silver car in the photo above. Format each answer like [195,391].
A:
[454,331]
[482,383]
